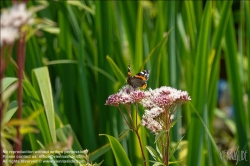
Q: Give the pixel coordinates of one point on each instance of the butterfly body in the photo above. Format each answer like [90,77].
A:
[139,80]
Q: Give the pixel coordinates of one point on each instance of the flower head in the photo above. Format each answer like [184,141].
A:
[113,100]
[11,21]
[126,95]
[164,96]
[153,125]
[148,101]
[16,16]
[137,95]
[159,102]
[154,112]
[8,36]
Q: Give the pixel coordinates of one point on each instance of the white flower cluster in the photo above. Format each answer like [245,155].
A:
[159,102]
[11,21]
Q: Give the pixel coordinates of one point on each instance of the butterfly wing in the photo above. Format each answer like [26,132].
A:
[139,80]
[136,82]
[144,75]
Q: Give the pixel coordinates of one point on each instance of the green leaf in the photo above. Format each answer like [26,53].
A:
[158,164]
[9,86]
[52,30]
[42,123]
[120,76]
[43,80]
[155,52]
[174,122]
[207,132]
[189,6]
[6,82]
[199,88]
[138,56]
[153,153]
[8,115]
[155,57]
[128,15]
[234,77]
[174,162]
[81,6]
[247,9]
[175,147]
[119,153]
[160,134]
[105,148]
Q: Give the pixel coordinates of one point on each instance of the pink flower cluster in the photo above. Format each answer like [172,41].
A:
[126,95]
[163,100]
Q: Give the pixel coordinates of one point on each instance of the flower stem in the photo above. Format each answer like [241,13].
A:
[21,48]
[131,127]
[134,128]
[136,114]
[128,108]
[167,138]
[142,151]
[138,136]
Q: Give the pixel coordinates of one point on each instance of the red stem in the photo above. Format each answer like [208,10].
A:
[21,47]
[138,136]
[124,117]
[142,151]
[166,155]
[128,108]
[134,128]
[136,114]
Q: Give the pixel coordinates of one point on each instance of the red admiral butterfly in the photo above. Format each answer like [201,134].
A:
[138,80]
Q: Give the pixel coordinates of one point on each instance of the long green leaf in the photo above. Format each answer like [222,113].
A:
[120,76]
[191,22]
[105,148]
[119,153]
[199,88]
[247,10]
[155,54]
[138,56]
[153,153]
[207,132]
[43,80]
[41,120]
[214,66]
[232,67]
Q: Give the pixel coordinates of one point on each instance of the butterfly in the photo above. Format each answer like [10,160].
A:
[139,80]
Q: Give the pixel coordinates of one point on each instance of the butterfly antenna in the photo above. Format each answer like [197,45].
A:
[129,71]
